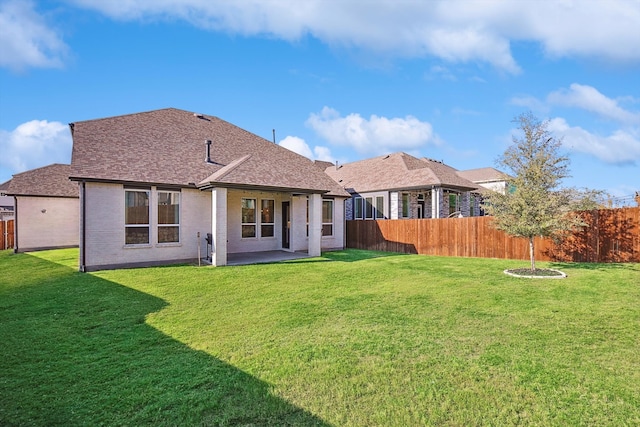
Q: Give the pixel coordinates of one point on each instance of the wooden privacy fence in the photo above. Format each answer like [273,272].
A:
[6,234]
[613,235]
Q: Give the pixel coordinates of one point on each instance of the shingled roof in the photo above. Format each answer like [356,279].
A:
[398,171]
[482,175]
[47,181]
[167,147]
[4,187]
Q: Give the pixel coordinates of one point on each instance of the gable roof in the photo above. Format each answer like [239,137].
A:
[4,187]
[167,147]
[482,175]
[397,171]
[47,181]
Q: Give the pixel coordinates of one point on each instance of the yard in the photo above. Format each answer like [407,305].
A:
[353,338]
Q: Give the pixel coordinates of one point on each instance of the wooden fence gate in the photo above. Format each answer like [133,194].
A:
[6,234]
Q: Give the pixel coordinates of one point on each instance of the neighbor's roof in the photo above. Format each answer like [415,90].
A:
[4,187]
[482,175]
[398,171]
[47,181]
[168,147]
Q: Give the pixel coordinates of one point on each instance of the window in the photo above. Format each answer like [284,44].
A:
[405,205]
[368,207]
[168,216]
[266,218]
[327,217]
[453,203]
[136,217]
[248,218]
[358,208]
[379,207]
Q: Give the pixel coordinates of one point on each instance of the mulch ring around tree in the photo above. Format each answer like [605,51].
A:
[538,273]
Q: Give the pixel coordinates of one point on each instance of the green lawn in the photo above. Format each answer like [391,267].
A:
[354,338]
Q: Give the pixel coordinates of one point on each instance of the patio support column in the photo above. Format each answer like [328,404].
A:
[315,225]
[219,226]
[436,200]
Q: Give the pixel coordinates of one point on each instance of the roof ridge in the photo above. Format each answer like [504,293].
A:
[139,113]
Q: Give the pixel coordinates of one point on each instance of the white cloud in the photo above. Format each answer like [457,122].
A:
[530,102]
[590,99]
[26,40]
[377,135]
[34,144]
[452,30]
[618,148]
[323,153]
[299,145]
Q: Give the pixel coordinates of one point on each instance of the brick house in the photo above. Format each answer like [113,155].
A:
[399,185]
[154,184]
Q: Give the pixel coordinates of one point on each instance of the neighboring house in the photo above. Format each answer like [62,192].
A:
[402,186]
[46,208]
[6,202]
[489,178]
[154,184]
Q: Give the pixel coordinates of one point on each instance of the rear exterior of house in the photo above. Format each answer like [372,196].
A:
[398,185]
[155,185]
[46,209]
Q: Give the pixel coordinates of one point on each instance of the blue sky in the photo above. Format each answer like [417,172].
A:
[338,80]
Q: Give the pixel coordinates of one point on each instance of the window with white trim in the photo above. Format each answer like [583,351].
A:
[357,208]
[327,217]
[136,217]
[379,207]
[368,208]
[267,221]
[249,218]
[168,216]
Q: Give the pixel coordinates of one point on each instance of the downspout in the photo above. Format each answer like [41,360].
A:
[15,224]
[83,228]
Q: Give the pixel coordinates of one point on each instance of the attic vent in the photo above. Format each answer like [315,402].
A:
[199,116]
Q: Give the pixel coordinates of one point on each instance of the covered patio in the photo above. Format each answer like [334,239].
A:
[264,257]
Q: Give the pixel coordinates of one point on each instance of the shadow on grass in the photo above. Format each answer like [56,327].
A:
[76,351]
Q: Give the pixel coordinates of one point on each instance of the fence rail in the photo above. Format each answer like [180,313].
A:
[612,235]
[6,234]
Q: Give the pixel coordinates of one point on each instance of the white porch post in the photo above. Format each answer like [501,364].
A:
[315,225]
[436,199]
[394,206]
[219,226]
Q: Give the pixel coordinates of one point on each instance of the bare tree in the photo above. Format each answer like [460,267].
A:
[534,204]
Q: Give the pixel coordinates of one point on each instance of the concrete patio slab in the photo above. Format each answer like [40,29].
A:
[263,257]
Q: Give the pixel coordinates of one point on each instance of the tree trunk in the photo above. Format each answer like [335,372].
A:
[531,254]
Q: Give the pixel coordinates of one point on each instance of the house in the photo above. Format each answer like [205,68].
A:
[156,186]
[399,185]
[46,208]
[6,202]
[489,178]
